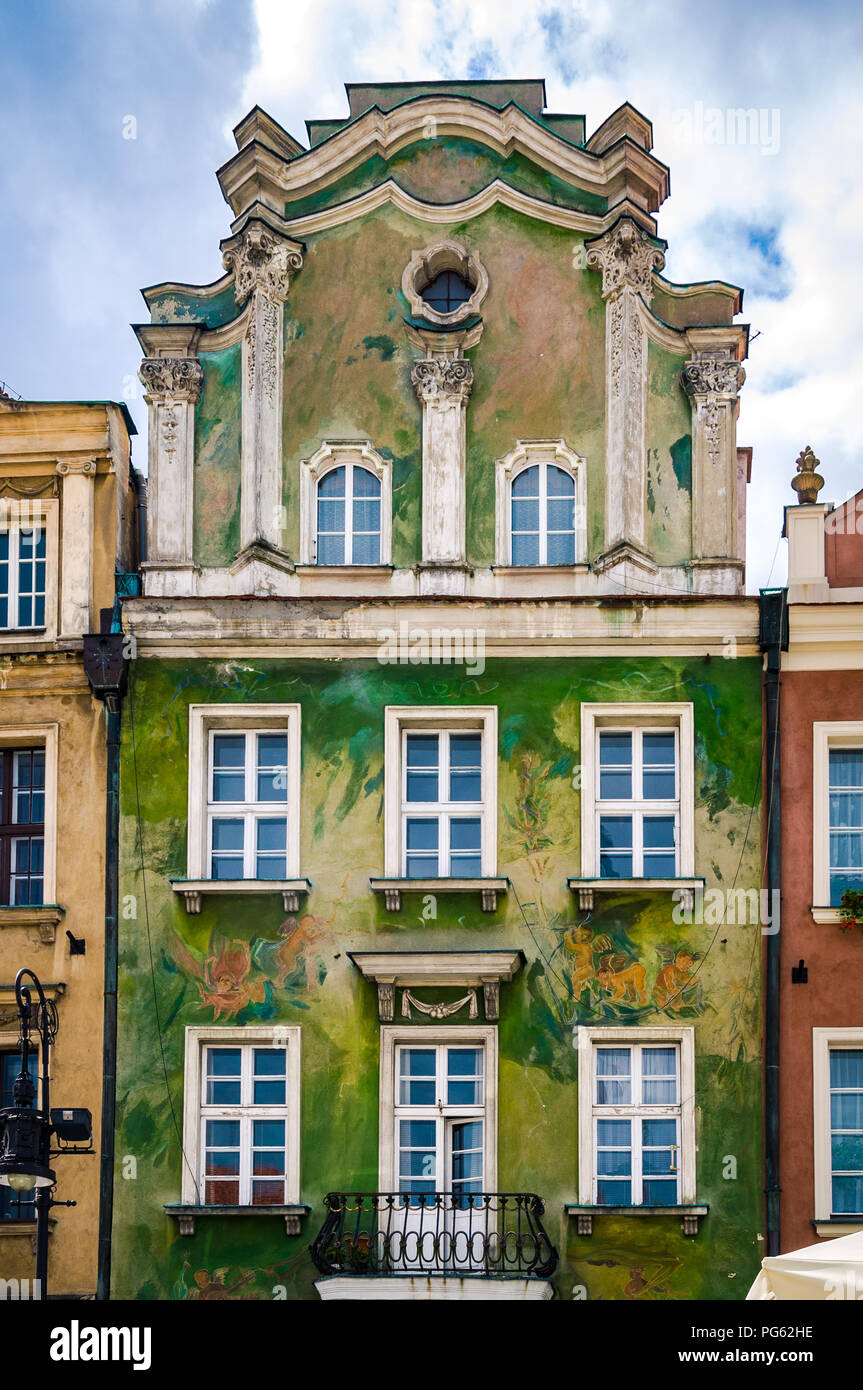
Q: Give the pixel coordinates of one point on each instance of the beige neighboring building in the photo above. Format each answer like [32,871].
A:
[67,523]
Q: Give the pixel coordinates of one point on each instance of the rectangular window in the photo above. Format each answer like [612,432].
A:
[22,826]
[636,1101]
[846,1130]
[638,803]
[440,1119]
[23,572]
[442,804]
[244,1125]
[247,804]
[636,1114]
[845,792]
[15,1206]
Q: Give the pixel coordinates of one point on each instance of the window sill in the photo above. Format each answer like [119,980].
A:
[394,888]
[823,915]
[194,890]
[690,1215]
[832,1226]
[46,918]
[186,1216]
[587,888]
[580,567]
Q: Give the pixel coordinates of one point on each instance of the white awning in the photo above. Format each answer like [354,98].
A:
[832,1269]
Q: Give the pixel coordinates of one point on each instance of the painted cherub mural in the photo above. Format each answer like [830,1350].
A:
[223,976]
[301,941]
[608,980]
[677,989]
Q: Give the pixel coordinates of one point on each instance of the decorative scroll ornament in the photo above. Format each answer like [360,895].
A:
[450,378]
[808,483]
[261,260]
[438,1010]
[627,256]
[713,376]
[178,377]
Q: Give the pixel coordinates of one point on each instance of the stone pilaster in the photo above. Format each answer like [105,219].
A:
[712,380]
[443,385]
[76,545]
[627,258]
[263,264]
[172,389]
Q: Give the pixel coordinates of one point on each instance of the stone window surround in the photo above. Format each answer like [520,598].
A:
[825,1040]
[335,453]
[203,719]
[525,454]
[424,266]
[588,1039]
[196,1039]
[40,736]
[46,510]
[826,735]
[677,714]
[431,718]
[464,1034]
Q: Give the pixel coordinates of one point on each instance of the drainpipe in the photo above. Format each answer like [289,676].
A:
[105,668]
[773,635]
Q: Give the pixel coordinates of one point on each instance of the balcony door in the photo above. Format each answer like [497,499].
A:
[440,1147]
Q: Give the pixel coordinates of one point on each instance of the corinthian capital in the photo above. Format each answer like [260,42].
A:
[261,260]
[713,376]
[443,378]
[178,377]
[626,256]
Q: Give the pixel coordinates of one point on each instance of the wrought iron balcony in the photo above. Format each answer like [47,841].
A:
[496,1235]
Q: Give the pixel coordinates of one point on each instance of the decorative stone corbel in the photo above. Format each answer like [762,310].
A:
[491,999]
[172,389]
[263,263]
[386,1000]
[712,380]
[76,544]
[627,257]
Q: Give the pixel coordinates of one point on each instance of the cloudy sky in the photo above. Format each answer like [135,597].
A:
[88,215]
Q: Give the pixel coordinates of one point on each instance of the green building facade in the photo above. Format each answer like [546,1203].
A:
[440,786]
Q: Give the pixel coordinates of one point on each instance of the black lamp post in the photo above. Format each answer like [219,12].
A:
[25,1141]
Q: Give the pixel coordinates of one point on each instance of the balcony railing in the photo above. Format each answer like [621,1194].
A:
[496,1235]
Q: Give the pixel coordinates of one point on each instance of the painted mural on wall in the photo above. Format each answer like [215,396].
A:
[245,961]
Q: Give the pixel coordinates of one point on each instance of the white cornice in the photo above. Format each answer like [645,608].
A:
[824,637]
[344,629]
[414,968]
[386,132]
[390,192]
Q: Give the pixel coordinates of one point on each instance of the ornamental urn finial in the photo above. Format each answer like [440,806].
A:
[808,483]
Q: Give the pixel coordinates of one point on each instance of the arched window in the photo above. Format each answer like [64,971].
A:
[543,516]
[348,517]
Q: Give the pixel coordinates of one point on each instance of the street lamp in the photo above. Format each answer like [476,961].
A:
[25,1139]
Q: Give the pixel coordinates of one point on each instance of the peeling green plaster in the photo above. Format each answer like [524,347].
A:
[218,446]
[669,480]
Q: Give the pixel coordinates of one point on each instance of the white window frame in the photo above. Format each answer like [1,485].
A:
[430,719]
[454,1035]
[826,735]
[21,514]
[197,1040]
[588,1041]
[637,809]
[657,718]
[526,454]
[442,811]
[249,810]
[45,736]
[336,453]
[205,719]
[825,1041]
